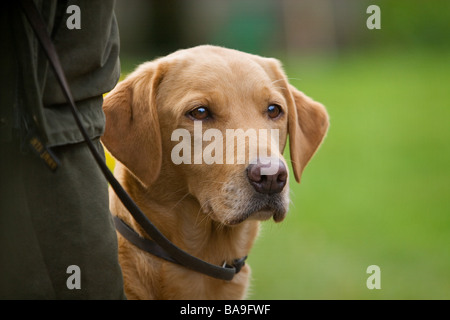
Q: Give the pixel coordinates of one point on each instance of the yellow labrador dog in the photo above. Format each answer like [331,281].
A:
[202,193]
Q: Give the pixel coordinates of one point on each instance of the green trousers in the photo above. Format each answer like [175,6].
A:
[57,237]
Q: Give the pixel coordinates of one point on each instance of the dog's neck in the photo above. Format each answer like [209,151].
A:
[178,215]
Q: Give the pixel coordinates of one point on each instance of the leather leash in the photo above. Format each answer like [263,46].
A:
[160,246]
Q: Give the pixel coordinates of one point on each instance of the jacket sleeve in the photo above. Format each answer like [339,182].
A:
[90,60]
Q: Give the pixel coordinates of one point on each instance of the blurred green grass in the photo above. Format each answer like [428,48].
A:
[377,192]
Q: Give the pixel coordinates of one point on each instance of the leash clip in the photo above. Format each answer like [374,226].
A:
[237,264]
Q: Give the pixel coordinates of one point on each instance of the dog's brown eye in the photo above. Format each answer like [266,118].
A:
[273,111]
[200,113]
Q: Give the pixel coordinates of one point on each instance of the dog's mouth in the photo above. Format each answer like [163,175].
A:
[236,204]
[261,209]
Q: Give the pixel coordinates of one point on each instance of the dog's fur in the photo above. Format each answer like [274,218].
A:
[210,211]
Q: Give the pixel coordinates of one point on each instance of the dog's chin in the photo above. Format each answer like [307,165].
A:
[259,208]
[277,215]
[258,212]
[260,215]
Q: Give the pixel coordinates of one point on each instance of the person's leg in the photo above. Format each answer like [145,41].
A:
[50,221]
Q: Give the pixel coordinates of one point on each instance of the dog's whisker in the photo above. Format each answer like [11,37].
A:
[175,192]
[214,181]
[204,216]
[290,160]
[179,201]
[287,78]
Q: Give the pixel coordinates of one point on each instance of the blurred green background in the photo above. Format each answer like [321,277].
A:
[378,190]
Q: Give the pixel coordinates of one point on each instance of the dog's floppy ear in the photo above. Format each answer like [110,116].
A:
[132,132]
[307,119]
[308,125]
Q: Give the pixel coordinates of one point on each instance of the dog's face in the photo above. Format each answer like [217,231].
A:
[235,96]
[215,121]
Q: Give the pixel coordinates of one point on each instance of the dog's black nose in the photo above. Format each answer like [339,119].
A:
[267,175]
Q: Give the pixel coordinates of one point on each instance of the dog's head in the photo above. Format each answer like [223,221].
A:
[215,121]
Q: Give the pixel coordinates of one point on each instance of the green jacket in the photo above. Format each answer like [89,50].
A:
[30,94]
